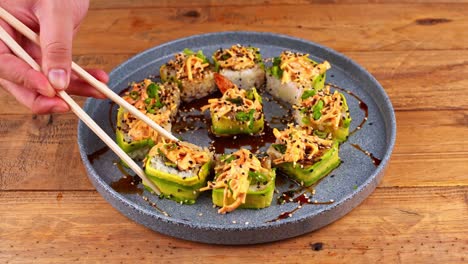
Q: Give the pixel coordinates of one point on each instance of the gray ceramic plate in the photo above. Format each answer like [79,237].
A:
[348,185]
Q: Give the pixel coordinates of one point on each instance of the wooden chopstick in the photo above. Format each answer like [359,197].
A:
[20,52]
[28,33]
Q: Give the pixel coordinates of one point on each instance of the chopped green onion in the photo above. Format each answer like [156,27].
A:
[281,148]
[238,100]
[134,95]
[317,110]
[257,177]
[228,159]
[308,93]
[152,90]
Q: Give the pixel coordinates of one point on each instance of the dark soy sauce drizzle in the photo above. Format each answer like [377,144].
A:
[189,118]
[128,184]
[362,106]
[375,161]
[304,198]
[97,154]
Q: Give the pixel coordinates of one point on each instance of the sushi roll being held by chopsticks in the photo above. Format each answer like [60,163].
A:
[303,156]
[242,181]
[178,169]
[292,73]
[238,111]
[192,72]
[325,112]
[241,65]
[159,102]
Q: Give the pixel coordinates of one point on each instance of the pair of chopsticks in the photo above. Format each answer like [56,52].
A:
[20,52]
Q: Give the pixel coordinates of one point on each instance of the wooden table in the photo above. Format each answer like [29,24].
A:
[49,211]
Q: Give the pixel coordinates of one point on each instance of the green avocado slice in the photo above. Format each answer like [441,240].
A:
[311,174]
[341,134]
[258,196]
[180,189]
[132,148]
[243,123]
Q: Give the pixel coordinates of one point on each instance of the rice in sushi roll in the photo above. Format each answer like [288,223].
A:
[159,102]
[178,169]
[302,155]
[236,112]
[325,112]
[241,65]
[192,72]
[292,73]
[242,181]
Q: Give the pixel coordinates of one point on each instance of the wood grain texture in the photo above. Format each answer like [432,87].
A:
[394,225]
[344,27]
[418,50]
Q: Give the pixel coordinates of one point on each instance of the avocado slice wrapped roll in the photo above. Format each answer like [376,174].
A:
[302,155]
[292,73]
[236,112]
[242,181]
[159,102]
[178,169]
[325,112]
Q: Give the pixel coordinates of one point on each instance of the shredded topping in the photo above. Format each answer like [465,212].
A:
[297,67]
[158,101]
[188,66]
[298,145]
[322,108]
[234,101]
[139,130]
[232,174]
[183,155]
[237,57]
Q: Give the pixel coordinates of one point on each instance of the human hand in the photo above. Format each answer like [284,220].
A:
[57,21]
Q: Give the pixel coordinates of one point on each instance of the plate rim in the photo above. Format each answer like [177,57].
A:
[390,142]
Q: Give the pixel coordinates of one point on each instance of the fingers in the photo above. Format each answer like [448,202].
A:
[38,103]
[82,88]
[16,70]
[56,34]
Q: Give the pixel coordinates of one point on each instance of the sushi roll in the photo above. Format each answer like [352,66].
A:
[292,73]
[178,169]
[242,181]
[303,156]
[242,65]
[236,112]
[159,102]
[192,72]
[325,112]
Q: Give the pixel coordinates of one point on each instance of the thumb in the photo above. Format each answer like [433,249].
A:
[56,35]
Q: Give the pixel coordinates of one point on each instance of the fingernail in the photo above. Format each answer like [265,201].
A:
[58,79]
[59,109]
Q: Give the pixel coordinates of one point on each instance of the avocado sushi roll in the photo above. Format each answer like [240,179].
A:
[159,102]
[302,155]
[242,181]
[237,112]
[325,112]
[241,65]
[192,72]
[178,169]
[292,73]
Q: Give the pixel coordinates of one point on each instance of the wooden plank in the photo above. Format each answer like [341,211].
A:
[346,27]
[411,225]
[40,152]
[117,4]
[431,150]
